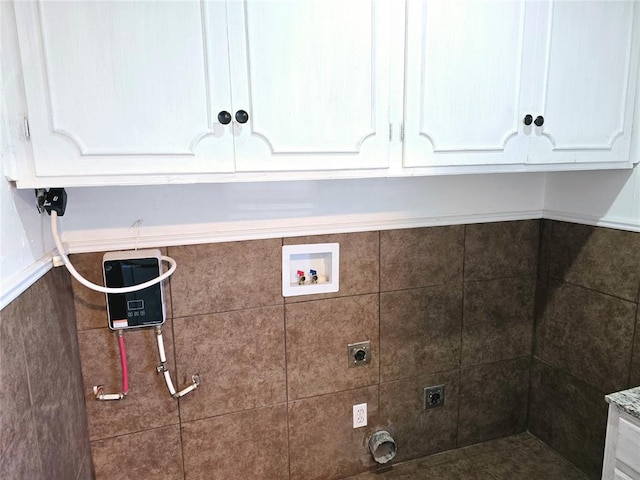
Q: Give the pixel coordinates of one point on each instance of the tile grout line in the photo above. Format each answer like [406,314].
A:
[562,459]
[135,432]
[566,282]
[286,377]
[346,390]
[545,280]
[37,438]
[466,367]
[534,340]
[572,375]
[175,369]
[464,251]
[26,370]
[216,312]
[563,280]
[448,284]
[379,329]
[28,417]
[82,462]
[634,336]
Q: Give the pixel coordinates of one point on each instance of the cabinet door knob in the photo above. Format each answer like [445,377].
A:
[242,116]
[224,117]
[528,119]
[539,120]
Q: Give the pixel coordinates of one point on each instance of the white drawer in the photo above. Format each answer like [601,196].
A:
[618,475]
[628,445]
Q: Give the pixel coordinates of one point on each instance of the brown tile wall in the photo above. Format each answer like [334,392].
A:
[587,336]
[443,305]
[43,422]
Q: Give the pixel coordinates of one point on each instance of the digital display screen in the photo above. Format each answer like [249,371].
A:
[135,305]
[135,309]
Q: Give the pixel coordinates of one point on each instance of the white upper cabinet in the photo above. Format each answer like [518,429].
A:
[464,82]
[587,81]
[125,88]
[313,77]
[481,75]
[143,92]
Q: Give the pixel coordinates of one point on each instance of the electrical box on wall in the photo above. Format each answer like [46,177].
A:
[309,269]
[144,308]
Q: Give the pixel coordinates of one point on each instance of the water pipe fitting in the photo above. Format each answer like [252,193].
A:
[164,369]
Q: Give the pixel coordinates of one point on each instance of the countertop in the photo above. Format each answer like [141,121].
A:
[627,400]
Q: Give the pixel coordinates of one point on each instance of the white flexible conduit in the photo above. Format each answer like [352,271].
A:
[162,368]
[163,363]
[100,288]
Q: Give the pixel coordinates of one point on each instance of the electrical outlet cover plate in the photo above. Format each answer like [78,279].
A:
[360,415]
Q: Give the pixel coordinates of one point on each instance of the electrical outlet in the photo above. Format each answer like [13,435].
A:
[359,354]
[434,396]
[360,415]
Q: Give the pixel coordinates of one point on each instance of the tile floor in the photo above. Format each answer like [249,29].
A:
[519,457]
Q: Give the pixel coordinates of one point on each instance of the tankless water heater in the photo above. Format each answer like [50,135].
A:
[144,308]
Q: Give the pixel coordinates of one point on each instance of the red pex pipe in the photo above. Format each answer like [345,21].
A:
[123,362]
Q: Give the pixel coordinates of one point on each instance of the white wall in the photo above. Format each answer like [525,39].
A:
[113,217]
[25,242]
[603,198]
[608,199]
[25,238]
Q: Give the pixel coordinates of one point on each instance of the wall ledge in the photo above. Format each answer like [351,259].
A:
[174,235]
[167,236]
[607,222]
[16,285]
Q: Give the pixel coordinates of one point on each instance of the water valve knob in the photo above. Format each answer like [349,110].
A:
[314,276]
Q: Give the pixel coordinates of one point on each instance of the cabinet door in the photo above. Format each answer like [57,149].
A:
[313,77]
[119,88]
[587,81]
[464,82]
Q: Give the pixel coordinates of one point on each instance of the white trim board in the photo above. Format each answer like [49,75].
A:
[173,235]
[622,224]
[152,237]
[167,236]
[20,282]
